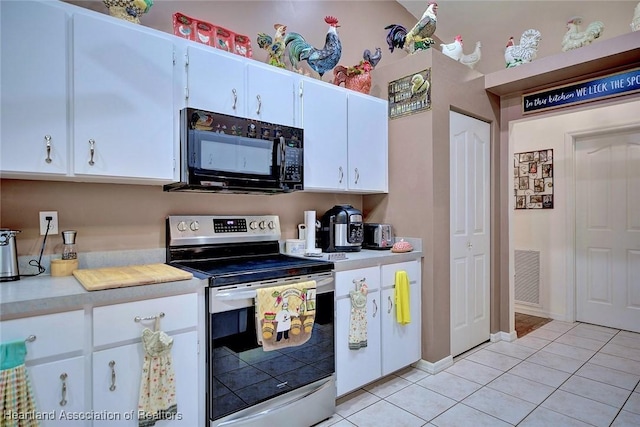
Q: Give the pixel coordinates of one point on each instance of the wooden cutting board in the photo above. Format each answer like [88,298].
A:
[132,275]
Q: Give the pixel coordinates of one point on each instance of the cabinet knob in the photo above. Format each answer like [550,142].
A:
[63,377]
[112,365]
[375,306]
[259,104]
[390,305]
[341,174]
[235,98]
[357,176]
[47,140]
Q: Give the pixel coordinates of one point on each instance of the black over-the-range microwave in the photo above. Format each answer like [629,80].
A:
[232,154]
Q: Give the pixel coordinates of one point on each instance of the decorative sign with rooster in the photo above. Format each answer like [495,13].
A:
[410,94]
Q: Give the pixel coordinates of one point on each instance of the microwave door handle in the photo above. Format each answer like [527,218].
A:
[282,159]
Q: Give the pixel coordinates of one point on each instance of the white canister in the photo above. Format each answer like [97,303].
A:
[294,246]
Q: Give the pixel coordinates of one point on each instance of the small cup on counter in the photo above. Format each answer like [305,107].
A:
[294,246]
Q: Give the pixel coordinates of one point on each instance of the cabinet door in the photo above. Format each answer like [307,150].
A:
[355,368]
[324,120]
[401,344]
[116,383]
[270,94]
[59,388]
[367,142]
[122,101]
[34,88]
[126,375]
[216,81]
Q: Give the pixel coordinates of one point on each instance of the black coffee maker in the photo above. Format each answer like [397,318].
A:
[341,229]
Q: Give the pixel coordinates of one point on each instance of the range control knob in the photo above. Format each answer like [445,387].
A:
[194,226]
[271,225]
[182,226]
[262,225]
[253,225]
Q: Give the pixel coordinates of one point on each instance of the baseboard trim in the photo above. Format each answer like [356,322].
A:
[435,367]
[504,336]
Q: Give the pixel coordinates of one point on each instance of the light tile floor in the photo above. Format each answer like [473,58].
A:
[562,374]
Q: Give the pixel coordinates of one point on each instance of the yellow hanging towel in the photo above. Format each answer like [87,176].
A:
[403,306]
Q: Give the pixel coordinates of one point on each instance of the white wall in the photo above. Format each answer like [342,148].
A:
[548,230]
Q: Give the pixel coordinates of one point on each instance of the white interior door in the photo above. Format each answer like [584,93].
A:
[608,230]
[470,237]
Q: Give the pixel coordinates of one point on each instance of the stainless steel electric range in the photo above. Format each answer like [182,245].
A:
[246,384]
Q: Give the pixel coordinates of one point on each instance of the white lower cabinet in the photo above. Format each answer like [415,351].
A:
[59,391]
[390,345]
[355,368]
[116,382]
[55,366]
[401,343]
[117,369]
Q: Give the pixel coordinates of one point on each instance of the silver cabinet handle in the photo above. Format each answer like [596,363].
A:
[259,104]
[341,174]
[47,140]
[92,150]
[235,98]
[112,365]
[390,305]
[375,305]
[63,377]
[357,175]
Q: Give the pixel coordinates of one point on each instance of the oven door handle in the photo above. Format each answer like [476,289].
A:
[240,294]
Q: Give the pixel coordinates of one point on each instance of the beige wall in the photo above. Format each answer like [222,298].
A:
[112,217]
[418,199]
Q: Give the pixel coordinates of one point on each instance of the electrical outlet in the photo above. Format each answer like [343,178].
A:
[53,225]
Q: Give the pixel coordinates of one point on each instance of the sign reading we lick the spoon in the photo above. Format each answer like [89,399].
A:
[588,90]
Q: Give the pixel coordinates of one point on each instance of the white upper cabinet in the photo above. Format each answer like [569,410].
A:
[33,88]
[123,116]
[270,94]
[324,119]
[345,139]
[215,80]
[368,143]
[225,83]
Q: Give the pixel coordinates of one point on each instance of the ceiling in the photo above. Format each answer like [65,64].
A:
[493,22]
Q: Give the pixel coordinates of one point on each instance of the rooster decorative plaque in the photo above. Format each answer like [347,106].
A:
[410,94]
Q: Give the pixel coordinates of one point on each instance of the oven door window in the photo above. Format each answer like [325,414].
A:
[242,374]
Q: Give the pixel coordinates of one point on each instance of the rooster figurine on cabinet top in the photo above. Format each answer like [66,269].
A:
[419,37]
[320,60]
[453,50]
[358,77]
[525,52]
[574,38]
[635,22]
[473,58]
[275,47]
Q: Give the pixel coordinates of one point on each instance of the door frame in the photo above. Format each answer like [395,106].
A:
[570,219]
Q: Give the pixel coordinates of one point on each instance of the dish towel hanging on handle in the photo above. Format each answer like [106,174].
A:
[157,386]
[358,318]
[401,291]
[285,314]
[18,406]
